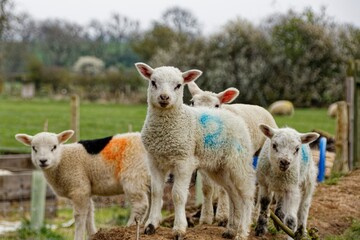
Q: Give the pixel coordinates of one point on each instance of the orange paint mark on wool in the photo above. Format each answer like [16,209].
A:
[114,153]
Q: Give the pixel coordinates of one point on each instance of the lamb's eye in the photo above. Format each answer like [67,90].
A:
[34,149]
[217,105]
[296,150]
[153,84]
[53,148]
[274,146]
[177,87]
[191,102]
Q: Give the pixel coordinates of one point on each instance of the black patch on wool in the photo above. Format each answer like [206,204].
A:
[95,146]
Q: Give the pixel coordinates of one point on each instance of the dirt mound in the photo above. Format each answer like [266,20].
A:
[332,211]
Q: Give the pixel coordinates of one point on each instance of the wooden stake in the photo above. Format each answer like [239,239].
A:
[75,117]
[341,163]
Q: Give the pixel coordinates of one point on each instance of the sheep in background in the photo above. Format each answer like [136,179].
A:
[282,108]
[252,115]
[287,171]
[179,138]
[104,167]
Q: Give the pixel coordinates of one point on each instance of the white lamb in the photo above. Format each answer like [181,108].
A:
[108,166]
[179,138]
[252,115]
[286,169]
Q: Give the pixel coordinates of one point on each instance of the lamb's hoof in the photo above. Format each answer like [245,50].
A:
[150,229]
[260,231]
[222,223]
[179,237]
[228,234]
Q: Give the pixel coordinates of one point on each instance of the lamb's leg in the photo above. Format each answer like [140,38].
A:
[222,211]
[182,173]
[90,223]
[139,204]
[279,212]
[207,210]
[157,190]
[305,203]
[265,197]
[291,202]
[246,208]
[81,205]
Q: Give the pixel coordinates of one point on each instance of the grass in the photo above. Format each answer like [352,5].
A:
[333,179]
[96,120]
[100,120]
[352,233]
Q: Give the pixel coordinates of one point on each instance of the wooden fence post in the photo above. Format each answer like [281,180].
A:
[75,117]
[353,97]
[38,196]
[341,163]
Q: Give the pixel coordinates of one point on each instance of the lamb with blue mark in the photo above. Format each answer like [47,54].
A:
[287,171]
[179,139]
[251,116]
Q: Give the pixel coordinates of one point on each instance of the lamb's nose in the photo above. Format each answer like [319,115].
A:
[42,161]
[164,97]
[284,162]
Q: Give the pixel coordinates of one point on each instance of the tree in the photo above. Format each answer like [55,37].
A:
[181,21]
[236,57]
[306,65]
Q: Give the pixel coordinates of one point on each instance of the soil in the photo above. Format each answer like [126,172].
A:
[333,209]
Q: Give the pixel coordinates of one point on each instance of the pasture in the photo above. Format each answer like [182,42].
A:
[99,120]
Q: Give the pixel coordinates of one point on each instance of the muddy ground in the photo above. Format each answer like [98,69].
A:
[332,211]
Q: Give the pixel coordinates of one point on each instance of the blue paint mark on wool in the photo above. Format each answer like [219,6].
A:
[304,153]
[213,127]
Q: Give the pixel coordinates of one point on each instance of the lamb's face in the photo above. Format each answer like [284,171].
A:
[166,87]
[285,146]
[166,84]
[209,99]
[205,99]
[45,147]
[45,150]
[285,149]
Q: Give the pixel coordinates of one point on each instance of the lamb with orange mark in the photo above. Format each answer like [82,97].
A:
[108,166]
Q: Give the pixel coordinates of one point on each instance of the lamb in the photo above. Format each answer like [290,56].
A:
[253,115]
[107,166]
[287,171]
[179,138]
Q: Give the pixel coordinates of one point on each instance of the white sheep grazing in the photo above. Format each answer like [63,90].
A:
[179,138]
[108,166]
[252,115]
[287,170]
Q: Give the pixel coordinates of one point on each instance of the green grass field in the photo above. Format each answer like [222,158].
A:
[101,120]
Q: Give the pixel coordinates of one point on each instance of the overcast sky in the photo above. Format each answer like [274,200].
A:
[211,14]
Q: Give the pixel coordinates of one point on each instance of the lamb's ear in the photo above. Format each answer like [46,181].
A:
[228,95]
[308,137]
[144,70]
[65,135]
[267,130]
[194,89]
[24,138]
[191,75]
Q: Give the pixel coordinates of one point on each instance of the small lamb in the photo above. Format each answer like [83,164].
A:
[287,170]
[104,167]
[179,138]
[252,115]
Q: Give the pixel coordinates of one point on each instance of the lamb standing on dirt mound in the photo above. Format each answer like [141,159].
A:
[286,169]
[180,138]
[252,115]
[105,167]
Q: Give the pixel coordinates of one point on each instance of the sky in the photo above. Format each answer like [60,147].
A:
[211,14]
